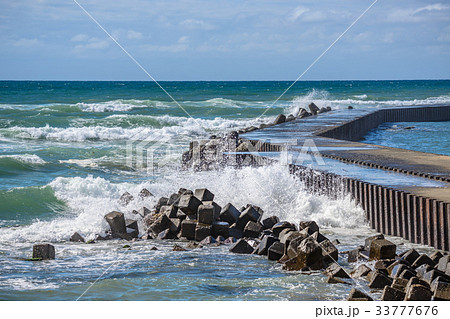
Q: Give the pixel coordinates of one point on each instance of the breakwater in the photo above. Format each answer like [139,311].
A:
[416,212]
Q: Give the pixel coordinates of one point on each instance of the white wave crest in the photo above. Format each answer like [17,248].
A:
[272,188]
[174,127]
[322,99]
[26,158]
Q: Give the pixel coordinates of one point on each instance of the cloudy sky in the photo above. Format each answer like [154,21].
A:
[224,40]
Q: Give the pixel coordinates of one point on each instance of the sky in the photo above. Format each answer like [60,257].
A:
[224,40]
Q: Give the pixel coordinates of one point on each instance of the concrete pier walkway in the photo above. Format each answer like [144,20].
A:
[404,193]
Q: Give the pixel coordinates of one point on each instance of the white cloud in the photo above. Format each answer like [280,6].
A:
[24,42]
[297,12]
[415,15]
[183,39]
[134,35]
[196,24]
[92,44]
[80,38]
[432,7]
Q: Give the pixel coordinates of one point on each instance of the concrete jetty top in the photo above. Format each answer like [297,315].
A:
[404,193]
[336,133]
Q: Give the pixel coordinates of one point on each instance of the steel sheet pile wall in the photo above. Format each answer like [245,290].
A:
[389,211]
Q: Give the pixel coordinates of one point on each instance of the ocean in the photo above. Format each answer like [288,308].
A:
[63,166]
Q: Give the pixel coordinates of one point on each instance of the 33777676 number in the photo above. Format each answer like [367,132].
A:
[406,310]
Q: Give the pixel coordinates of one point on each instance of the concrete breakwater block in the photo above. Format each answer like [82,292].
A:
[116,221]
[229,214]
[382,249]
[43,252]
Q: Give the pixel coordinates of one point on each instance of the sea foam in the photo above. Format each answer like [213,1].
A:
[271,187]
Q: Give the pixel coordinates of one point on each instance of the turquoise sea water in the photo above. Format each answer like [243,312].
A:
[63,151]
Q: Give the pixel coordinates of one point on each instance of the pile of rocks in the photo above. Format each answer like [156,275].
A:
[409,276]
[211,154]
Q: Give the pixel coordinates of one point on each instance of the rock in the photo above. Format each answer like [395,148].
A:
[165,234]
[441,290]
[393,267]
[350,107]
[153,248]
[217,208]
[280,119]
[290,118]
[116,221]
[193,245]
[309,255]
[382,249]
[202,231]
[400,284]
[302,113]
[43,252]
[174,199]
[208,240]
[335,280]
[287,235]
[269,222]
[330,253]
[188,229]
[436,256]
[76,237]
[143,211]
[316,235]
[418,293]
[234,232]
[358,294]
[244,147]
[392,294]
[352,255]
[229,214]
[170,210]
[416,281]
[423,260]
[379,280]
[275,251]
[398,269]
[144,193]
[312,225]
[293,245]
[265,244]
[178,248]
[220,239]
[161,223]
[126,198]
[205,214]
[146,237]
[336,242]
[369,240]
[241,247]
[230,240]
[203,194]
[360,271]
[384,263]
[334,270]
[220,229]
[429,276]
[184,191]
[278,227]
[252,229]
[407,274]
[249,214]
[161,202]
[313,108]
[189,204]
[443,263]
[175,225]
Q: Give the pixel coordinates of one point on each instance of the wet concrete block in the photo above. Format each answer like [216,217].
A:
[43,251]
[382,249]
[229,214]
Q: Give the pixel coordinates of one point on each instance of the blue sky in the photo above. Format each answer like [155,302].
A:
[224,40]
